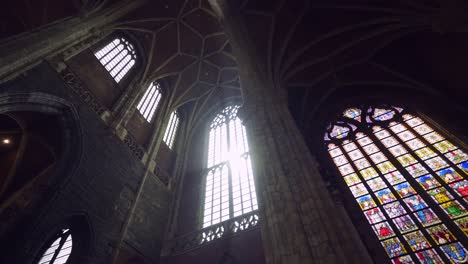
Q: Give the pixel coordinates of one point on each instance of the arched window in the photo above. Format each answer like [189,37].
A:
[118,57]
[150,100]
[59,250]
[408,179]
[229,186]
[171,130]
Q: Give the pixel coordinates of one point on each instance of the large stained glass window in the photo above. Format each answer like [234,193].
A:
[118,57]
[229,186]
[409,181]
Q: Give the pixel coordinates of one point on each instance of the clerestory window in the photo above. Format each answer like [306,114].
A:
[229,183]
[171,130]
[408,179]
[150,101]
[59,250]
[118,57]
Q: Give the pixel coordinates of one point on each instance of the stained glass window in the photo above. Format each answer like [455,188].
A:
[408,179]
[171,130]
[150,100]
[229,187]
[118,57]
[59,250]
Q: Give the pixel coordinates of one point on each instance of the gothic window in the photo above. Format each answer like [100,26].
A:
[150,100]
[171,130]
[118,57]
[229,187]
[59,250]
[408,179]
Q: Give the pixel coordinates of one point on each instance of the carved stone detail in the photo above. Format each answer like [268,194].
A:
[136,149]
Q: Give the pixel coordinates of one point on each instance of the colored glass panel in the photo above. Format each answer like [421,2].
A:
[376,184]
[383,114]
[456,156]
[461,187]
[364,141]
[436,163]
[425,153]
[405,224]
[398,128]
[427,217]
[397,150]
[416,170]
[415,202]
[429,256]
[383,230]
[449,175]
[386,167]
[362,164]
[370,149]
[406,160]
[385,196]
[345,169]
[462,223]
[389,142]
[366,202]
[335,152]
[394,177]
[454,209]
[340,160]
[339,132]
[354,113]
[406,135]
[374,215]
[444,146]
[350,146]
[403,260]
[464,166]
[423,129]
[369,173]
[455,252]
[378,157]
[358,190]
[351,179]
[355,154]
[440,195]
[394,209]
[394,247]
[414,121]
[433,137]
[404,190]
[441,234]
[381,134]
[428,182]
[415,144]
[417,241]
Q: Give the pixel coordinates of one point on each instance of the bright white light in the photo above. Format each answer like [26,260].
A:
[6,141]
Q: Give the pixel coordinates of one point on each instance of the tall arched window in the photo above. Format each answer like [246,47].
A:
[59,250]
[150,100]
[171,130]
[229,187]
[409,181]
[118,57]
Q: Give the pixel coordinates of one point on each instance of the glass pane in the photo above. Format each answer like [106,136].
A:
[376,184]
[441,234]
[403,260]
[385,196]
[405,136]
[449,175]
[461,187]
[414,121]
[374,215]
[455,252]
[383,230]
[433,137]
[358,190]
[362,164]
[352,179]
[394,209]
[454,209]
[369,173]
[381,134]
[456,156]
[464,166]
[345,169]
[462,223]
[397,150]
[386,167]
[383,114]
[417,241]
[415,144]
[425,153]
[427,217]
[364,141]
[404,190]
[405,224]
[394,177]
[429,256]
[350,147]
[440,195]
[436,163]
[339,132]
[444,146]
[393,247]
[389,142]
[428,182]
[366,202]
[423,129]
[335,152]
[398,128]
[378,157]
[415,203]
[356,154]
[340,160]
[416,170]
[354,113]
[406,160]
[369,149]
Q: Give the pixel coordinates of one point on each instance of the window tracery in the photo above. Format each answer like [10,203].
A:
[229,186]
[408,179]
[118,57]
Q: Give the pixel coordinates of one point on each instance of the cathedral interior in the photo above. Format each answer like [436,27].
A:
[233,131]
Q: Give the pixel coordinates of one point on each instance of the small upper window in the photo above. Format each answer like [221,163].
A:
[118,57]
[171,130]
[59,251]
[150,100]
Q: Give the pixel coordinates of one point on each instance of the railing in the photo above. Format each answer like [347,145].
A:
[212,233]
